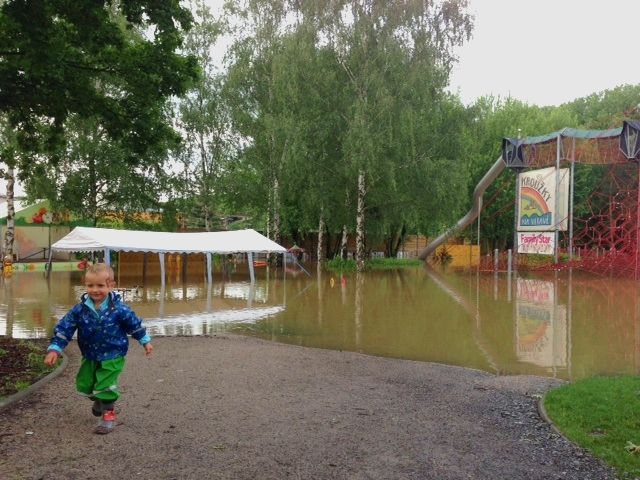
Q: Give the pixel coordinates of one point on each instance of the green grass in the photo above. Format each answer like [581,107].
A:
[391,263]
[602,415]
[22,364]
[534,260]
[349,265]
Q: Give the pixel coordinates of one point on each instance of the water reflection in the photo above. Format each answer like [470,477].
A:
[566,325]
[541,324]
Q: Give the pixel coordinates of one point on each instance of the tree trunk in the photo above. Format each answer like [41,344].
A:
[321,229]
[205,214]
[269,215]
[360,253]
[277,224]
[93,191]
[394,242]
[345,231]
[204,182]
[9,235]
[343,242]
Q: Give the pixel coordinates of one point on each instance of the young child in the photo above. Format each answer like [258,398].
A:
[103,323]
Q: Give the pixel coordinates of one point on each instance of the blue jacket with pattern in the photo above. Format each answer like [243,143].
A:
[102,335]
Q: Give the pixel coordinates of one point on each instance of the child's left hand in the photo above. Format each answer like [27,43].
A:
[148,348]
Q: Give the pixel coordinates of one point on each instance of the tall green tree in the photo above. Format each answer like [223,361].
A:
[203,117]
[259,114]
[364,51]
[606,109]
[380,45]
[61,57]
[93,176]
[313,186]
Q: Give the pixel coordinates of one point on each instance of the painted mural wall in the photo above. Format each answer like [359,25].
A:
[36,228]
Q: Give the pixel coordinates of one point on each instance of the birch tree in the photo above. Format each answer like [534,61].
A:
[257,110]
[388,63]
[375,42]
[8,158]
[204,120]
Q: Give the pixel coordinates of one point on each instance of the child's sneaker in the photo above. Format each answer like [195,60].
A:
[107,422]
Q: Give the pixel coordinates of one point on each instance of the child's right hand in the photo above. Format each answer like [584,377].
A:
[51,358]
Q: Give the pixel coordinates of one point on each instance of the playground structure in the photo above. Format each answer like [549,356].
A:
[603,237]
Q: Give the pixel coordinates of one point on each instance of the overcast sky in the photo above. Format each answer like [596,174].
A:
[547,52]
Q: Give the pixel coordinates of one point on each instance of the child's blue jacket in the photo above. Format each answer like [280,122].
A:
[101,335]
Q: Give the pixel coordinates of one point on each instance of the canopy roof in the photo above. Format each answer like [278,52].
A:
[85,239]
[601,147]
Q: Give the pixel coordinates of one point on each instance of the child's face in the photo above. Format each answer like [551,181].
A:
[98,286]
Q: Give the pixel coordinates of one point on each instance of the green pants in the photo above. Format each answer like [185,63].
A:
[99,380]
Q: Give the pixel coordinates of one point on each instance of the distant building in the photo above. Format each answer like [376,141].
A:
[37,226]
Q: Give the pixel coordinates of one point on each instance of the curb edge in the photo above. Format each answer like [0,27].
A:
[543,414]
[35,386]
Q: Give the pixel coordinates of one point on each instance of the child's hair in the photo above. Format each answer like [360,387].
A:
[100,268]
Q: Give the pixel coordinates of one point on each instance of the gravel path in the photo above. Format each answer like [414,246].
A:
[230,407]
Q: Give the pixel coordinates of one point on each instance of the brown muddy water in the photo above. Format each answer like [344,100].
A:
[562,324]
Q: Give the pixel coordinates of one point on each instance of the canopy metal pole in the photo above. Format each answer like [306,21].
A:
[185,259]
[252,273]
[49,261]
[569,322]
[144,268]
[284,265]
[252,292]
[554,326]
[557,200]
[209,273]
[479,215]
[161,257]
[162,294]
[516,222]
[637,226]
[573,174]
[284,278]
[209,297]
[107,256]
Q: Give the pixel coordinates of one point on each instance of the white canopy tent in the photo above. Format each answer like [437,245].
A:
[86,239]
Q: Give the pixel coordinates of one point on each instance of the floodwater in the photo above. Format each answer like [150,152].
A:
[560,324]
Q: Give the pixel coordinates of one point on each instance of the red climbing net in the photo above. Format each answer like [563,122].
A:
[605,238]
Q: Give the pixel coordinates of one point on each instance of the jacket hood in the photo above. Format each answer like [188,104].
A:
[113,298]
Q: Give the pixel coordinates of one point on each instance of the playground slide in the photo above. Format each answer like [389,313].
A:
[482,185]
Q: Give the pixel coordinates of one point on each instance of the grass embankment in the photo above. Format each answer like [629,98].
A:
[21,364]
[601,415]
[349,265]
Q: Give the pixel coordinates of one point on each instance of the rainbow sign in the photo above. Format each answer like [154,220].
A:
[537,200]
[534,208]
